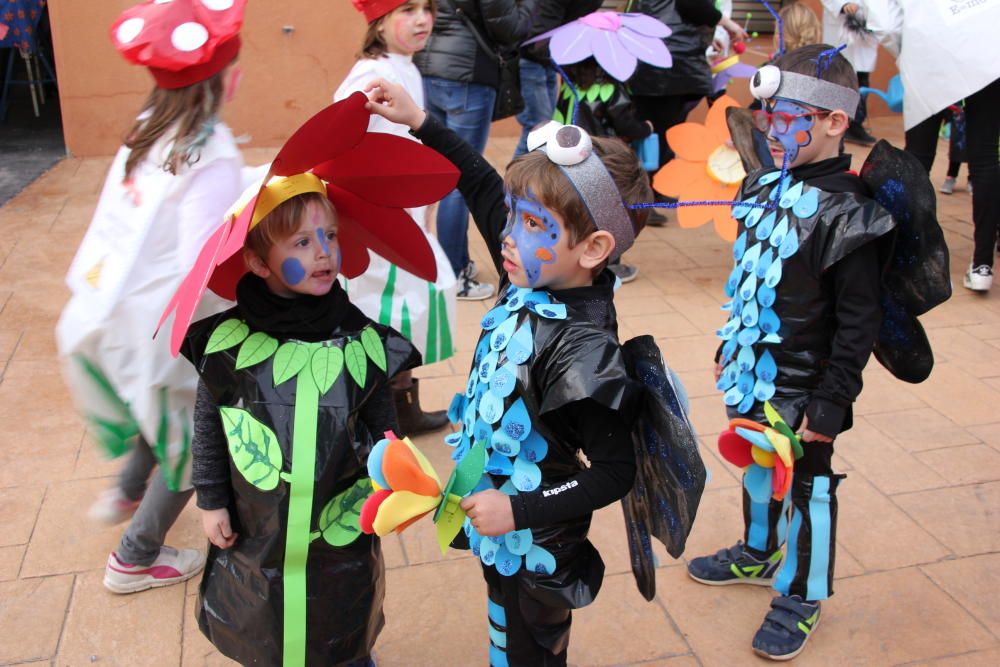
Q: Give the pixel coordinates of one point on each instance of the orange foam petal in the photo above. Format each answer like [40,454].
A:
[677,176]
[716,119]
[746,423]
[726,227]
[691,141]
[403,472]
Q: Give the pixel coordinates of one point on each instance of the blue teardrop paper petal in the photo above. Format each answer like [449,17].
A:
[504,381]
[745,382]
[507,563]
[745,360]
[727,306]
[774,339]
[727,378]
[516,422]
[488,551]
[469,418]
[740,210]
[730,328]
[453,439]
[457,408]
[527,475]
[490,408]
[749,336]
[534,448]
[733,281]
[791,195]
[536,298]
[732,397]
[737,307]
[728,349]
[463,448]
[488,365]
[516,300]
[740,247]
[769,177]
[749,314]
[764,263]
[766,226]
[780,232]
[475,541]
[767,369]
[521,344]
[501,335]
[750,257]
[789,246]
[807,205]
[494,318]
[753,217]
[482,432]
[746,404]
[768,321]
[773,275]
[507,488]
[551,311]
[763,390]
[749,287]
[470,386]
[757,482]
[504,444]
[499,465]
[510,290]
[540,561]
[765,296]
[518,542]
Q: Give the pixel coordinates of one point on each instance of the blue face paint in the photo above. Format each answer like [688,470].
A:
[321,237]
[798,133]
[535,233]
[292,271]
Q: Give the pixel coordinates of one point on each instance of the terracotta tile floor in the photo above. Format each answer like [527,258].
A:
[919,552]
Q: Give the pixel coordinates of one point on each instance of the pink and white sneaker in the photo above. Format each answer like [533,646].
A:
[113,507]
[172,566]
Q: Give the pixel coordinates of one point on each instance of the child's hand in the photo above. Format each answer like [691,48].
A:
[735,30]
[391,101]
[811,436]
[490,512]
[217,528]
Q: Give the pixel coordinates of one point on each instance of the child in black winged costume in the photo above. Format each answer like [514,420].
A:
[550,378]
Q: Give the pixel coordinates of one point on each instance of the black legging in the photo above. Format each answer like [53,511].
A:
[982,132]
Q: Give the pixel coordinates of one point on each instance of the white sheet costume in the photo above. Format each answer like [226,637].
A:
[423,312]
[142,241]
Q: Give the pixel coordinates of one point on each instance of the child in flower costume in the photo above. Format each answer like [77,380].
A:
[294,390]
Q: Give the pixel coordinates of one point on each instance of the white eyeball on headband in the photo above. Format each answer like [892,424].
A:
[565,145]
[765,82]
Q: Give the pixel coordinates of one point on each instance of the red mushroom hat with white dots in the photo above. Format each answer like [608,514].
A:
[376,9]
[182,42]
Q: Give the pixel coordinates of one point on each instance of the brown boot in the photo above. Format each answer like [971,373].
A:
[413,420]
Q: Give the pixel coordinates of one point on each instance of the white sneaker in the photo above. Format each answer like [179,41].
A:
[471,270]
[470,289]
[172,566]
[948,187]
[113,507]
[979,278]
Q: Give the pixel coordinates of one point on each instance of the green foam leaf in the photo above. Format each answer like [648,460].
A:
[374,347]
[339,520]
[254,448]
[288,361]
[558,117]
[230,333]
[327,363]
[357,363]
[449,521]
[255,349]
[469,470]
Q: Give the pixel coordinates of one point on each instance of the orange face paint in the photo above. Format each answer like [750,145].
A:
[544,254]
[802,137]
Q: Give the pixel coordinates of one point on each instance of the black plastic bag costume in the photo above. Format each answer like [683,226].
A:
[301,584]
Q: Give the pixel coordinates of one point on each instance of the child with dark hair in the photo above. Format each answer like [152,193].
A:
[805,317]
[548,376]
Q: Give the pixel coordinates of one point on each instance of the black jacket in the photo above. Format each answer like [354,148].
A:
[453,53]
[689,21]
[549,15]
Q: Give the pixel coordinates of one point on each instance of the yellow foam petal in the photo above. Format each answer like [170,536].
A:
[781,445]
[762,458]
[399,508]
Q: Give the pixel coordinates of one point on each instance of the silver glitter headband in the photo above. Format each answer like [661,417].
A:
[570,147]
[818,93]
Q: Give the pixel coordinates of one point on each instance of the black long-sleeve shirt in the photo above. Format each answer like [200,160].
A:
[601,433]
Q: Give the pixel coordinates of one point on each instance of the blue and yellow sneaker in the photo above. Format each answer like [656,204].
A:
[735,565]
[786,628]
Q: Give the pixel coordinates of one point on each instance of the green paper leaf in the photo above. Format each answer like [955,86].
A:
[327,363]
[254,448]
[339,520]
[230,333]
[449,522]
[607,90]
[255,349]
[558,117]
[567,92]
[374,347]
[593,92]
[357,363]
[288,361]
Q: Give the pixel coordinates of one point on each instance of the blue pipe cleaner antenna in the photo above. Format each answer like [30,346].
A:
[572,87]
[781,26]
[824,59]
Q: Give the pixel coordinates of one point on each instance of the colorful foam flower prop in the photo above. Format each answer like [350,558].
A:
[707,169]
[767,454]
[726,69]
[616,41]
[406,488]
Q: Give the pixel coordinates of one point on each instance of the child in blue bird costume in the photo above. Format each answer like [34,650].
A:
[549,378]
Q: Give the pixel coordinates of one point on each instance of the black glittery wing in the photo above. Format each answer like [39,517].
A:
[670,475]
[917,276]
